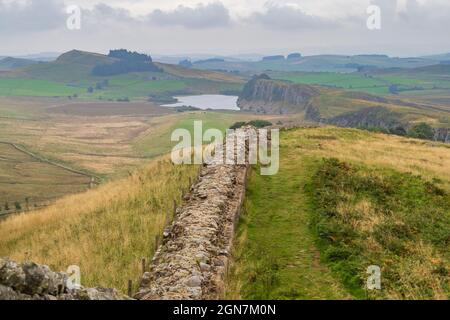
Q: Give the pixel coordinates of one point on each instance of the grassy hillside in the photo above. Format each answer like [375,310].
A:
[9,63]
[105,231]
[71,75]
[311,231]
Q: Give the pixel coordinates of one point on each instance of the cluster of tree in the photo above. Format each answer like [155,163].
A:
[274,58]
[186,63]
[212,60]
[395,89]
[128,62]
[124,54]
[419,131]
[294,56]
[17,205]
[98,86]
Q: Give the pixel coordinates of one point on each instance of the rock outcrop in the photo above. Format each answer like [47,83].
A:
[31,281]
[442,135]
[372,117]
[191,263]
[264,95]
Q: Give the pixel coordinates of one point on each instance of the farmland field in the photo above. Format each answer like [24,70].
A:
[103,139]
[23,177]
[31,87]
[375,84]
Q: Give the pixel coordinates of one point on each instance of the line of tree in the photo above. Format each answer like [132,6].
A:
[128,62]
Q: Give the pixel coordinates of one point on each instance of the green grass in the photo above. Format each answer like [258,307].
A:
[158,143]
[375,84]
[400,222]
[36,88]
[311,231]
[276,257]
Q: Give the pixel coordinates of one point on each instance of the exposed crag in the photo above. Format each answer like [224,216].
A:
[264,95]
[372,117]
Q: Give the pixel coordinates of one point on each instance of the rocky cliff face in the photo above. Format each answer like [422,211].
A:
[379,118]
[442,134]
[372,117]
[264,95]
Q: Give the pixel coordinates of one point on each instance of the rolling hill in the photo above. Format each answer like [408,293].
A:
[71,75]
[317,63]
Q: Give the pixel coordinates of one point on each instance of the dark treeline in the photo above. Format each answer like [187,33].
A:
[129,62]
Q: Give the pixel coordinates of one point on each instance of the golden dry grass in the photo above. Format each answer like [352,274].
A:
[106,231]
[426,158]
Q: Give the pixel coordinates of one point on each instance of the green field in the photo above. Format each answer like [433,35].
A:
[375,84]
[158,143]
[38,88]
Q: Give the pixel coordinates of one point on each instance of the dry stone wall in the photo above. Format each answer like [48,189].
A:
[192,261]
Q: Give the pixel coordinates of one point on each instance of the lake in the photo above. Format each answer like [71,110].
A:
[207,101]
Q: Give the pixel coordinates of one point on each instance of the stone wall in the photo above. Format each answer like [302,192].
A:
[192,261]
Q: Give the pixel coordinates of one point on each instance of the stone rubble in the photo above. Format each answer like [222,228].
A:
[30,281]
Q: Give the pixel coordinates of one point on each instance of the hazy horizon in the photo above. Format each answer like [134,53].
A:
[227,27]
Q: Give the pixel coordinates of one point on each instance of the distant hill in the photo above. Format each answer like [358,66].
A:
[438,57]
[440,69]
[318,63]
[10,63]
[124,76]
[71,66]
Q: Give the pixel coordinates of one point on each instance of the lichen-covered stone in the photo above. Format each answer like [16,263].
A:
[31,281]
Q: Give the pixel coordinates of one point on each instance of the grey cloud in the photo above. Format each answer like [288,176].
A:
[287,17]
[34,16]
[202,16]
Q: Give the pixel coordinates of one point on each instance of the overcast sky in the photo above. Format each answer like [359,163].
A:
[408,27]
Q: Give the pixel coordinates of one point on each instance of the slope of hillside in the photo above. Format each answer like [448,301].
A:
[344,200]
[106,231]
[72,75]
[71,66]
[9,63]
